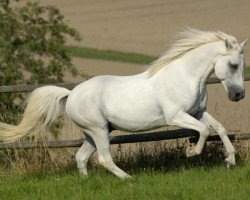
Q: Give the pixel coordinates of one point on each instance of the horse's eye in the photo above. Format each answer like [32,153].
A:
[234,65]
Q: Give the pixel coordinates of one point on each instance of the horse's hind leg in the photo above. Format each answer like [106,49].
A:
[83,155]
[101,139]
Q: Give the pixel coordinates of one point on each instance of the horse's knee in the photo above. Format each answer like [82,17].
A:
[221,130]
[204,132]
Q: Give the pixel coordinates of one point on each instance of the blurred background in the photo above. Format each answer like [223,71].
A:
[147,26]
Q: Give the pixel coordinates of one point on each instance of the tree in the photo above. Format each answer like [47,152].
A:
[32,45]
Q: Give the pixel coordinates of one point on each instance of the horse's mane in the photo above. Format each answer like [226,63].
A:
[187,40]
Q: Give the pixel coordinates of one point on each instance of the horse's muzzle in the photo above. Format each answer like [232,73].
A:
[236,94]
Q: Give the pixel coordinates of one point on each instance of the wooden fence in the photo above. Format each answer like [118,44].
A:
[29,88]
[121,139]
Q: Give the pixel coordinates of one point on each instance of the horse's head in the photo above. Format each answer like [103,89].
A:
[229,68]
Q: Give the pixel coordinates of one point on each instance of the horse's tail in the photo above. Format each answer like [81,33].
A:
[43,107]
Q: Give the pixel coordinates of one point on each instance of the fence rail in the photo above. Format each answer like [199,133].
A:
[123,139]
[30,88]
[130,138]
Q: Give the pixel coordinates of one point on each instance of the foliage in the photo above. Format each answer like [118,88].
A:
[32,45]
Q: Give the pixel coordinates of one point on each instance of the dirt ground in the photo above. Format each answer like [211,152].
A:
[148,27]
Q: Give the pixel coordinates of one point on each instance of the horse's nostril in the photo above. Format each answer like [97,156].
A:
[237,95]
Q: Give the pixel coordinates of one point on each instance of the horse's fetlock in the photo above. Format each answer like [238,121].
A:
[232,151]
[198,151]
[102,161]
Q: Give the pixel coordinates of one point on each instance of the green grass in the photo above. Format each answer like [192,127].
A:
[110,55]
[247,70]
[193,183]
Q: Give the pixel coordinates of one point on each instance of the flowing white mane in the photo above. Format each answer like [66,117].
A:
[187,40]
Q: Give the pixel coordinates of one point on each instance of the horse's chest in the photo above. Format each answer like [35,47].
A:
[199,101]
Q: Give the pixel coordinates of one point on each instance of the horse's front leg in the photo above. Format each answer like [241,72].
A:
[184,120]
[211,122]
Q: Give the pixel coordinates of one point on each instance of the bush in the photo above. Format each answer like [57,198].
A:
[32,46]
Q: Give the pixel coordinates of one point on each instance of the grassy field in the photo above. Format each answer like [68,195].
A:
[190,183]
[247,70]
[117,56]
[110,55]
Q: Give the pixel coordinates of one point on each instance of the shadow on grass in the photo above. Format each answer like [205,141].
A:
[173,159]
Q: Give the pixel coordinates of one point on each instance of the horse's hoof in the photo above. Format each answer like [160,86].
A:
[83,176]
[190,151]
[126,177]
[130,177]
[229,165]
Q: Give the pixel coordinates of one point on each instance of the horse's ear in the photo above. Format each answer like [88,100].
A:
[242,46]
[228,44]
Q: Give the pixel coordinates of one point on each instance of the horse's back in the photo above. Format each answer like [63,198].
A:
[125,102]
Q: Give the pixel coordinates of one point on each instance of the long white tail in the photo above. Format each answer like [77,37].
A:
[43,107]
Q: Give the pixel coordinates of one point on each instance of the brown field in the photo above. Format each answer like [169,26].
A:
[148,27]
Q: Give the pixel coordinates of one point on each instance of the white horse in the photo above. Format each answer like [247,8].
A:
[172,91]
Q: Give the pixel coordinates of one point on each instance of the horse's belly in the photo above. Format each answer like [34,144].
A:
[137,122]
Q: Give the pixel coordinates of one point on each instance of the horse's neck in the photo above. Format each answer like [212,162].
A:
[196,65]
